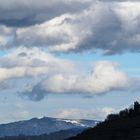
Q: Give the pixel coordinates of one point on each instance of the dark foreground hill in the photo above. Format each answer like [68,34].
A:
[122,126]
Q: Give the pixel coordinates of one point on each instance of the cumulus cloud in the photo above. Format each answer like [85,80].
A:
[104,78]
[5,34]
[109,27]
[25,62]
[40,73]
[76,26]
[22,67]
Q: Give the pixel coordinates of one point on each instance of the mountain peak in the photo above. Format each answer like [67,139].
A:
[44,125]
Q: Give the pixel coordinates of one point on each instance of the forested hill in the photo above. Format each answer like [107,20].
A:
[60,135]
[122,126]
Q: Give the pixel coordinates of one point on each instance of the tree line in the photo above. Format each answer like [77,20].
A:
[126,113]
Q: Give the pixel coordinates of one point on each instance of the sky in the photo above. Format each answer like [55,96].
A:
[68,58]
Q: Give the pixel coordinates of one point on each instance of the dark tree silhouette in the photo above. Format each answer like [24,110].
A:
[122,126]
[132,112]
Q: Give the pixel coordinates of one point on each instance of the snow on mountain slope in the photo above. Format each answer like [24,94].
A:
[46,125]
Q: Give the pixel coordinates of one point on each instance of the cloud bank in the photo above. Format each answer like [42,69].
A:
[29,12]
[25,67]
[66,26]
[31,63]
[110,27]
[38,73]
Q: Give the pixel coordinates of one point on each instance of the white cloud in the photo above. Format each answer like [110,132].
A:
[41,73]
[112,27]
[23,62]
[2,40]
[22,68]
[104,78]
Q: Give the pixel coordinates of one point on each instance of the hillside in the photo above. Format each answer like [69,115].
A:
[60,135]
[46,125]
[122,126]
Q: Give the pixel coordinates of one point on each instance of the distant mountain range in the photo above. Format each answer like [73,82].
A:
[122,126]
[46,125]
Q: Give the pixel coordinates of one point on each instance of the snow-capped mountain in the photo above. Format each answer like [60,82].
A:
[44,125]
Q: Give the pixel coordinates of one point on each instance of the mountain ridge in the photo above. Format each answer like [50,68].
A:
[45,125]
